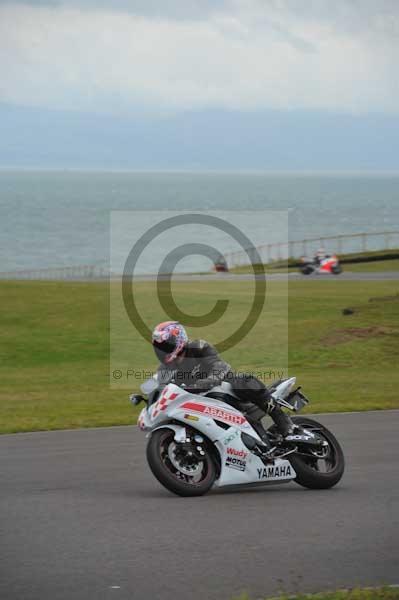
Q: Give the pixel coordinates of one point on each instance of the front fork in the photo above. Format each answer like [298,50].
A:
[190,442]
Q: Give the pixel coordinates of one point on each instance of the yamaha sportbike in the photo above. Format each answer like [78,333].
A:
[197,441]
[327,266]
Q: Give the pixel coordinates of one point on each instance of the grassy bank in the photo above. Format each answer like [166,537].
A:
[54,356]
[374,266]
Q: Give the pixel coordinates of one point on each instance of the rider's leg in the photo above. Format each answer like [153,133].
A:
[250,388]
[260,430]
[283,422]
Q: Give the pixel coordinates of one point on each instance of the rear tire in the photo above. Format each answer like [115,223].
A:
[168,474]
[306,470]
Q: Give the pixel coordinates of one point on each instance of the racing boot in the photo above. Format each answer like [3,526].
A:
[268,405]
[263,449]
[283,422]
[291,432]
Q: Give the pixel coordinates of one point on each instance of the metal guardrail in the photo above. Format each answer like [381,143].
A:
[74,273]
[335,244]
[338,244]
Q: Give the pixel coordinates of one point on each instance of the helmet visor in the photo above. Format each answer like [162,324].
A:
[164,351]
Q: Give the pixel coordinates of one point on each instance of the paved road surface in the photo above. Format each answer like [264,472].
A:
[82,517]
[345,276]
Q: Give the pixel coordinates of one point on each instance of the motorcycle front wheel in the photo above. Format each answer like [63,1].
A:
[318,468]
[306,270]
[178,467]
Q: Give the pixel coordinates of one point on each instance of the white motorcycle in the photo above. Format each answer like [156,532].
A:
[329,265]
[197,441]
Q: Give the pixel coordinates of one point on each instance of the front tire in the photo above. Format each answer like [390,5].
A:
[307,468]
[180,474]
[306,270]
[336,270]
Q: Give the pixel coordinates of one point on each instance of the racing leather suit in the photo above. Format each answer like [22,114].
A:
[201,369]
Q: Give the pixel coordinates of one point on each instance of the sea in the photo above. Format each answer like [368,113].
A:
[63,218]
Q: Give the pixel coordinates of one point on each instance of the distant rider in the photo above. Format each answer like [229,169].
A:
[198,366]
[320,255]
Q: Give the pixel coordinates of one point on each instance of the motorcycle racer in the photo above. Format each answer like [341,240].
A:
[320,255]
[198,367]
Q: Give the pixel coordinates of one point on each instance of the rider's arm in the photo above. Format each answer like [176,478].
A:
[164,375]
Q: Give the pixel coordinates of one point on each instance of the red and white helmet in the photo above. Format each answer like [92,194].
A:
[169,340]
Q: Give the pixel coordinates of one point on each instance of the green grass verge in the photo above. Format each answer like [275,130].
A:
[54,355]
[384,593]
[373,267]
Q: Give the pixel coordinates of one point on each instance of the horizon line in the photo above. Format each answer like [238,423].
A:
[203,171]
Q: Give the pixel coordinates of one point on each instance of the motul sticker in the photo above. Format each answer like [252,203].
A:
[216,413]
[236,463]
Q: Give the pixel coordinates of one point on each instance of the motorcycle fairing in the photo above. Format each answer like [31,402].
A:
[327,264]
[210,417]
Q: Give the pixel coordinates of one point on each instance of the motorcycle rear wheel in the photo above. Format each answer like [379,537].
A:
[164,463]
[307,468]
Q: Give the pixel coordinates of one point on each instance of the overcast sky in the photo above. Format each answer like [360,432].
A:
[161,56]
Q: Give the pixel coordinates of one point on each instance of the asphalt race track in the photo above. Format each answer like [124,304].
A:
[82,517]
[345,276]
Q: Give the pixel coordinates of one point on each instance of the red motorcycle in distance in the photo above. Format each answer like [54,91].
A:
[329,265]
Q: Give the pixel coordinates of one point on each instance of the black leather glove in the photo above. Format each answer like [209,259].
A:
[135,399]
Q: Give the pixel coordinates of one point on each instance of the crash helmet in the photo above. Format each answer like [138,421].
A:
[169,340]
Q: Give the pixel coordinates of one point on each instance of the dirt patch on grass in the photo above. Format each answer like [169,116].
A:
[352,333]
[385,298]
